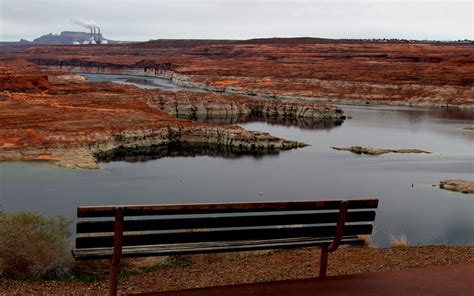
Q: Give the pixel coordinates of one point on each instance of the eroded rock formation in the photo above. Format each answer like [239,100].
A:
[193,105]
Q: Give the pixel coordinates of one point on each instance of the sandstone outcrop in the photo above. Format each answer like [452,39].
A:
[377,151]
[193,105]
[63,78]
[463,186]
[69,122]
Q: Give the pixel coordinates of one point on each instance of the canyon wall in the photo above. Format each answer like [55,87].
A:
[307,89]
[211,105]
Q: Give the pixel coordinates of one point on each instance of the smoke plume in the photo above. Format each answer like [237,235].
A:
[85,24]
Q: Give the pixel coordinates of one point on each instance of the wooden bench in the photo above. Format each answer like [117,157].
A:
[161,230]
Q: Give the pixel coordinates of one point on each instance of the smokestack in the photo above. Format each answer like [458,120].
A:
[95,30]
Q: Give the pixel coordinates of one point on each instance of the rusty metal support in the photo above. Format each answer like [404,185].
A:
[323,265]
[118,242]
[341,221]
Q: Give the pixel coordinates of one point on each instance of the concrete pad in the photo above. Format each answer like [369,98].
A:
[447,280]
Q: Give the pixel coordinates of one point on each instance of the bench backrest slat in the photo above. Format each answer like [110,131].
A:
[223,221]
[220,235]
[148,210]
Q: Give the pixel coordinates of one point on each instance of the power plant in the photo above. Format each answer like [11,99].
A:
[96,36]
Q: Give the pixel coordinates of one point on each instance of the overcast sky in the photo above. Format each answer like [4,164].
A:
[240,19]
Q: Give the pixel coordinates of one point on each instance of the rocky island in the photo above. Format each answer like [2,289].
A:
[456,185]
[377,151]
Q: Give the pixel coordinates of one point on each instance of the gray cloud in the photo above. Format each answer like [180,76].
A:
[146,19]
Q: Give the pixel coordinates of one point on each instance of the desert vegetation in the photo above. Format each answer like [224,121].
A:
[33,245]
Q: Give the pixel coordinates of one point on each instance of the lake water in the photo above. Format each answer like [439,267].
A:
[409,204]
[140,81]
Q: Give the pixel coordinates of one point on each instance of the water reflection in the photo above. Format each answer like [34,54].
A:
[302,123]
[142,154]
[142,81]
[413,114]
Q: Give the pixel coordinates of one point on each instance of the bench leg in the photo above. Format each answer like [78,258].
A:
[341,221]
[114,268]
[323,265]
[118,242]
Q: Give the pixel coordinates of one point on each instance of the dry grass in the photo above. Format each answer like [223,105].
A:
[399,241]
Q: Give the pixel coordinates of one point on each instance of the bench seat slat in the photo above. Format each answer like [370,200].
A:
[219,235]
[208,247]
[146,210]
[222,222]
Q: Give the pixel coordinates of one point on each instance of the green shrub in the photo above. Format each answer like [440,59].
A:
[33,245]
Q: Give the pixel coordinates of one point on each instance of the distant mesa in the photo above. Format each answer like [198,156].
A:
[377,151]
[71,37]
[286,41]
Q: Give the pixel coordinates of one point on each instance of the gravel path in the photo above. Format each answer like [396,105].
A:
[249,267]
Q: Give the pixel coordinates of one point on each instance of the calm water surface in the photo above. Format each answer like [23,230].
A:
[140,81]
[409,204]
